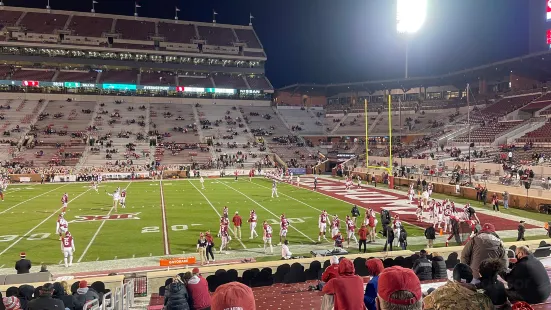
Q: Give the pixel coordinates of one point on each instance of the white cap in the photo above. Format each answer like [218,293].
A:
[334,260]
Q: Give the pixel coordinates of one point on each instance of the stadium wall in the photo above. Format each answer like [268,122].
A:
[134,99]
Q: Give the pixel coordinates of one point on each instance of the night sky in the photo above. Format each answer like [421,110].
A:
[334,41]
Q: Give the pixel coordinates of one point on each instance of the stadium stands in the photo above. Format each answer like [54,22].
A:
[78,76]
[488,133]
[216,35]
[249,37]
[229,81]
[259,82]
[158,78]
[43,23]
[304,121]
[119,76]
[135,29]
[542,134]
[177,32]
[195,81]
[8,18]
[502,107]
[88,26]
[33,74]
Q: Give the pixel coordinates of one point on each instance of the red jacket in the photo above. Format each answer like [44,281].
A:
[332,271]
[348,289]
[363,233]
[237,221]
[198,289]
[371,221]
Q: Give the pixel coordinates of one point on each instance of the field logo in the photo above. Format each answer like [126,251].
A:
[111,217]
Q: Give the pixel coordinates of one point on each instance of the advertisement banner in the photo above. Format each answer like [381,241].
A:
[297,170]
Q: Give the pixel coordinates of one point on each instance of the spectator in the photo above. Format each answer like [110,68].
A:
[399,288]
[233,295]
[374,267]
[485,244]
[285,252]
[495,202]
[176,295]
[332,271]
[347,289]
[362,232]
[198,290]
[12,291]
[11,303]
[403,238]
[45,300]
[389,237]
[528,280]
[521,229]
[23,265]
[430,234]
[506,200]
[84,295]
[454,295]
[44,268]
[493,288]
[61,294]
[439,270]
[423,267]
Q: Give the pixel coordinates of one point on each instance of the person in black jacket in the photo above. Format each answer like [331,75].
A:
[389,237]
[403,238]
[430,234]
[45,300]
[423,267]
[23,265]
[521,231]
[493,288]
[528,280]
[355,213]
[176,295]
[439,270]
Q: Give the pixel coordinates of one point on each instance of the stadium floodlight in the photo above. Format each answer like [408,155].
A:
[410,15]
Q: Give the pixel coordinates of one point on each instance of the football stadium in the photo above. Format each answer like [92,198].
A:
[150,163]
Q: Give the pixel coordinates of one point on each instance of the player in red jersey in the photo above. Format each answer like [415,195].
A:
[64,202]
[122,199]
[68,248]
[62,225]
[252,224]
[322,225]
[235,173]
[251,175]
[237,222]
[284,224]
[268,237]
[350,229]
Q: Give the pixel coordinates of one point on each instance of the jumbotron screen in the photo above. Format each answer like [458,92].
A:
[548,10]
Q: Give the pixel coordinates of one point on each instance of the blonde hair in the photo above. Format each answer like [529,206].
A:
[66,287]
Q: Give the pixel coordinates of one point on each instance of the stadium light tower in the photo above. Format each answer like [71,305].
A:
[410,17]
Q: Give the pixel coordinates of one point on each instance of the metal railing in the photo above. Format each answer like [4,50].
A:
[92,305]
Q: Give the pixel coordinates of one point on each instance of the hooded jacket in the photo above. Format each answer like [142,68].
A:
[59,293]
[25,295]
[347,288]
[45,301]
[375,267]
[485,244]
[83,296]
[331,272]
[176,297]
[439,270]
[199,291]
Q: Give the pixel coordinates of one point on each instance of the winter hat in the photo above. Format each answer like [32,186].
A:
[83,284]
[11,303]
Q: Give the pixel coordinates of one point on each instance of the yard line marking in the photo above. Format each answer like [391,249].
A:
[44,221]
[8,209]
[304,203]
[300,232]
[97,231]
[219,215]
[163,214]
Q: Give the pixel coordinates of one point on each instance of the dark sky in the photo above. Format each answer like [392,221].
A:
[332,41]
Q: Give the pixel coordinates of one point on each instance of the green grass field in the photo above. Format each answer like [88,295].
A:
[29,214]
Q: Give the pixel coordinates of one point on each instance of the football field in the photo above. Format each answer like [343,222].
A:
[161,217]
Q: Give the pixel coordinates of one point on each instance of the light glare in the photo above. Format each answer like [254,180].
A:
[410,15]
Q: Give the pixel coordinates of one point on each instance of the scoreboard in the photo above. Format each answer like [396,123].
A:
[539,25]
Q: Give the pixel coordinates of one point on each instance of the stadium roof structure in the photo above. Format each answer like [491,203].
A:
[536,66]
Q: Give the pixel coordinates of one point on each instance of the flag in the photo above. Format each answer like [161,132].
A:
[177,9]
[214,12]
[137,5]
[95,2]
[251,16]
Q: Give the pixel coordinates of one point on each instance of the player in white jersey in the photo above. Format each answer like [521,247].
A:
[298,181]
[202,182]
[252,224]
[429,189]
[100,178]
[350,229]
[62,226]
[226,212]
[411,192]
[290,177]
[322,225]
[268,237]
[347,184]
[335,226]
[116,197]
[122,199]
[224,235]
[284,225]
[359,180]
[448,212]
[68,248]
[64,201]
[274,189]
[94,186]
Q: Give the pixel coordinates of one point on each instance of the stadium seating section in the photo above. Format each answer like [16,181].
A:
[87,26]
[542,134]
[488,133]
